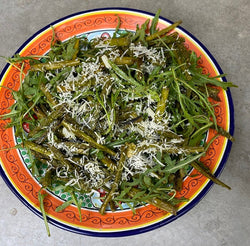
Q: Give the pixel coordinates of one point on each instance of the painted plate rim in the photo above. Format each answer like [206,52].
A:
[184,210]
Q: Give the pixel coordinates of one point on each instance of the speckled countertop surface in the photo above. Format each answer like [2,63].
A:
[222,217]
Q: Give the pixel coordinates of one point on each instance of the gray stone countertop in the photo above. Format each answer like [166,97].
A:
[222,217]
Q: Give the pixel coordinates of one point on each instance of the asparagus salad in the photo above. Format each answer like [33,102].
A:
[126,114]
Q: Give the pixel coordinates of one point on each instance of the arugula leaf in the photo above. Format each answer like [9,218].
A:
[155,22]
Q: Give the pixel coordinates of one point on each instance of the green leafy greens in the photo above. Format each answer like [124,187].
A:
[125,114]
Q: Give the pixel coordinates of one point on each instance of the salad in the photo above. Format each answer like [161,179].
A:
[127,115]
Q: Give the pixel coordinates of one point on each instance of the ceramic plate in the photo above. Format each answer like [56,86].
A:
[14,163]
